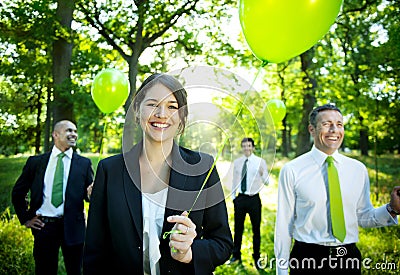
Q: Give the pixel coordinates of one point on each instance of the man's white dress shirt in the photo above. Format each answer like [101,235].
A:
[255,181]
[303,205]
[48,209]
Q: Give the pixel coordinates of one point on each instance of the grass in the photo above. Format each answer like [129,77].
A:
[10,169]
[380,247]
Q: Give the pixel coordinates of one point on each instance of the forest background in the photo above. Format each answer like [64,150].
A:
[50,52]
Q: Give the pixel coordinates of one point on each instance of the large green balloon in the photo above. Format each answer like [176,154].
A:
[110,89]
[277,30]
[277,110]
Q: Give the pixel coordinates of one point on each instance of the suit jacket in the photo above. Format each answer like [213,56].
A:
[32,179]
[114,239]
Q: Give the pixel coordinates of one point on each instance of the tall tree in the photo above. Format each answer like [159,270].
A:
[160,27]
[62,52]
[360,67]
[25,60]
[356,65]
[309,100]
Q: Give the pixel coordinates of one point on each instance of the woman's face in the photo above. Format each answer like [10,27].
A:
[159,117]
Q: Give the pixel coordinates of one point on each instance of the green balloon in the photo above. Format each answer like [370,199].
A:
[110,89]
[277,30]
[277,110]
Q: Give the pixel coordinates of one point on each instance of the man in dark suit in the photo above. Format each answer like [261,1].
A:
[57,182]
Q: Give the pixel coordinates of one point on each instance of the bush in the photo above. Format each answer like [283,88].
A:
[16,246]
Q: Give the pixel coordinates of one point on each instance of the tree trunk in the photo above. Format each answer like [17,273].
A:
[47,128]
[289,135]
[310,84]
[38,127]
[62,52]
[133,72]
[285,139]
[133,61]
[281,75]
[303,136]
[363,137]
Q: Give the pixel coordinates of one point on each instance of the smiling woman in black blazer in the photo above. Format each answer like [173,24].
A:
[146,191]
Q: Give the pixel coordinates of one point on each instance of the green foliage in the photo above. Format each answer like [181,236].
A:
[165,30]
[10,169]
[355,65]
[25,40]
[16,250]
[16,240]
[245,115]
[382,247]
[358,72]
[16,246]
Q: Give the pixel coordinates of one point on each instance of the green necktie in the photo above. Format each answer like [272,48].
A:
[57,193]
[335,199]
[243,183]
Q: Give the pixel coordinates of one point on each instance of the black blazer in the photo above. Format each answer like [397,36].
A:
[114,238]
[32,179]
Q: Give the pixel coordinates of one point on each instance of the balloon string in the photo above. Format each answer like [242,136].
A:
[102,138]
[227,137]
[166,234]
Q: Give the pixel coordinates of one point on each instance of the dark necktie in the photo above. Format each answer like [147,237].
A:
[243,184]
[57,193]
[335,199]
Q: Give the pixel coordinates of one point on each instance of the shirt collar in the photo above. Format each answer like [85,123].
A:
[320,157]
[249,158]
[55,152]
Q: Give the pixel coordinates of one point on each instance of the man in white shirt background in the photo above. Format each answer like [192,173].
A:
[323,217]
[250,173]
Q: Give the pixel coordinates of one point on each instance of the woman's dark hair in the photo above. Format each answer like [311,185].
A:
[172,84]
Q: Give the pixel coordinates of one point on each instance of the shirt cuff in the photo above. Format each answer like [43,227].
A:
[384,217]
[281,271]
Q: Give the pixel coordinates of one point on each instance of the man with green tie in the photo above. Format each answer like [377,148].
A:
[57,182]
[323,197]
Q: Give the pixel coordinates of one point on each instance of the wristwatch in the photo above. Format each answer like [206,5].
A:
[391,210]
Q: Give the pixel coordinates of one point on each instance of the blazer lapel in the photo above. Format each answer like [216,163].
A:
[131,182]
[43,164]
[72,168]
[186,178]
[44,160]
